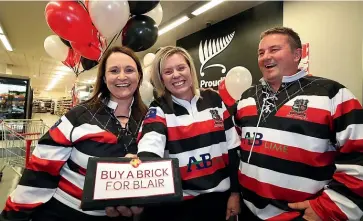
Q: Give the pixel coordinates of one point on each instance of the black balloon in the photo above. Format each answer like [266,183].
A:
[141,7]
[66,42]
[140,33]
[88,64]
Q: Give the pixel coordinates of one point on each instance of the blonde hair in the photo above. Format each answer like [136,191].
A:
[158,64]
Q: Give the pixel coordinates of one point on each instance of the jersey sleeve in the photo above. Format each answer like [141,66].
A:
[153,133]
[342,198]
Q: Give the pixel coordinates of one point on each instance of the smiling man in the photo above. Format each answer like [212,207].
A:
[302,140]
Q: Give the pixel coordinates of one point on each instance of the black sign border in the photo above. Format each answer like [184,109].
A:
[88,203]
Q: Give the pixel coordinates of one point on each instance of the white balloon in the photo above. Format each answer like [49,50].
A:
[56,48]
[146,92]
[147,73]
[109,17]
[238,79]
[148,59]
[156,14]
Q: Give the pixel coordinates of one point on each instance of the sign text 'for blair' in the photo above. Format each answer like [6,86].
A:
[123,181]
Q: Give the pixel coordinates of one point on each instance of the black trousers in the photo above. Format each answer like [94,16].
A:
[54,210]
[206,207]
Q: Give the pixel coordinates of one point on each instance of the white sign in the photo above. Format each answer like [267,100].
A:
[122,180]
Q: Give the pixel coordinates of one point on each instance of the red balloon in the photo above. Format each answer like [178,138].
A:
[72,59]
[90,50]
[69,20]
[226,97]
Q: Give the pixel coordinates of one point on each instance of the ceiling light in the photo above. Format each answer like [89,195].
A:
[5,42]
[206,7]
[173,24]
[53,82]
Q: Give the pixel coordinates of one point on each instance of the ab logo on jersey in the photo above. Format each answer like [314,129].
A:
[205,162]
[257,136]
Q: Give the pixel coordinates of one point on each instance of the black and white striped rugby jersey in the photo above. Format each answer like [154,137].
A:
[304,142]
[57,167]
[201,135]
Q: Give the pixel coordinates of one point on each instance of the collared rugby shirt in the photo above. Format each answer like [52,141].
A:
[58,164]
[201,135]
[308,144]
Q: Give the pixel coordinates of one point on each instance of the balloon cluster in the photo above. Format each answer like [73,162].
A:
[237,80]
[84,29]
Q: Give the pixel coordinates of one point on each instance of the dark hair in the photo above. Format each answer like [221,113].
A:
[101,92]
[294,39]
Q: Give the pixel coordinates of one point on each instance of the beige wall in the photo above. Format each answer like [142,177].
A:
[335,33]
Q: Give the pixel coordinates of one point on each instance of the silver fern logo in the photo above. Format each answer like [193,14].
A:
[212,48]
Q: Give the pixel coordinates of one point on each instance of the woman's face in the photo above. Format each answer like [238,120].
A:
[177,77]
[121,77]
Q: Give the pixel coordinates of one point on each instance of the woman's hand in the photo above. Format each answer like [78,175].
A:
[130,155]
[123,211]
[233,205]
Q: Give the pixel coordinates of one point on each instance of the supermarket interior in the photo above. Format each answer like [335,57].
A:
[44,72]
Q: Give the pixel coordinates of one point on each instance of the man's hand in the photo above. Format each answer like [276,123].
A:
[233,207]
[309,213]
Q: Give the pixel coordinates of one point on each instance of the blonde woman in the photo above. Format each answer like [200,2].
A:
[193,126]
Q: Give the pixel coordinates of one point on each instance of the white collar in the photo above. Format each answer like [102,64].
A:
[185,102]
[288,79]
[113,105]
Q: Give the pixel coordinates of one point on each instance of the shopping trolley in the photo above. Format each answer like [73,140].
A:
[18,139]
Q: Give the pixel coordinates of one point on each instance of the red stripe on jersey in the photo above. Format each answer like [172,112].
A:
[138,137]
[82,171]
[250,110]
[101,137]
[271,191]
[226,114]
[214,165]
[11,206]
[291,153]
[188,197]
[225,158]
[311,114]
[326,209]
[352,146]
[353,183]
[346,107]
[285,216]
[50,166]
[70,188]
[59,137]
[195,129]
[156,119]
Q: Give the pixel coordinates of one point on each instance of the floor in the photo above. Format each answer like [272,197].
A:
[10,177]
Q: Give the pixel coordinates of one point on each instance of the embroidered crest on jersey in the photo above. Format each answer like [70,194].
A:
[299,108]
[151,113]
[218,121]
